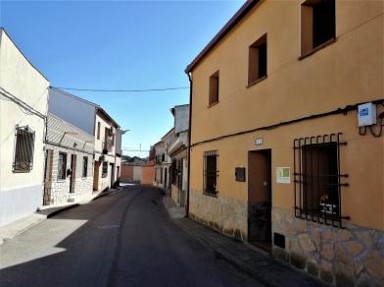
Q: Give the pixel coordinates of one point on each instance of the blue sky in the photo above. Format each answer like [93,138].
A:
[119,45]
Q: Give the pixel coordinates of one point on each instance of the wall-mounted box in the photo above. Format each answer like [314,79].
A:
[366,114]
[240,174]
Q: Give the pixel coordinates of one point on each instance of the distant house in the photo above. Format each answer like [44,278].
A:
[96,122]
[131,169]
[23,110]
[177,150]
[68,175]
[162,161]
[287,138]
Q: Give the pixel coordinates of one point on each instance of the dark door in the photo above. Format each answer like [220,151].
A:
[73,174]
[259,198]
[96,168]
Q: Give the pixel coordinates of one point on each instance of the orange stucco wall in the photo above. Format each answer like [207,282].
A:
[346,72]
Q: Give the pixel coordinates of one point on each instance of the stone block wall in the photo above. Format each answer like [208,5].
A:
[352,256]
[60,188]
[226,215]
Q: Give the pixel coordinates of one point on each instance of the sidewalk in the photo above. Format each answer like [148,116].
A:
[21,225]
[256,263]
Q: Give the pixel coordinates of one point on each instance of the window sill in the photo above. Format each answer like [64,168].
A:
[213,104]
[318,48]
[21,171]
[256,81]
[210,194]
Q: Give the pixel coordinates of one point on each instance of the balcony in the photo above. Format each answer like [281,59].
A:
[107,145]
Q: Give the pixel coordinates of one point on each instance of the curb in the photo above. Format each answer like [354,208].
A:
[254,263]
[55,212]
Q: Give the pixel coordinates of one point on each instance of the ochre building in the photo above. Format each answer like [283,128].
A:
[287,135]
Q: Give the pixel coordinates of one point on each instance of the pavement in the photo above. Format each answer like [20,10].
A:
[17,227]
[243,256]
[256,263]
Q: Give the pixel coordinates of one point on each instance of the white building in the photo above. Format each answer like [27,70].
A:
[177,149]
[68,175]
[23,109]
[163,161]
[94,120]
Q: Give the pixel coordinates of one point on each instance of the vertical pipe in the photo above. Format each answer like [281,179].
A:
[294,175]
[189,144]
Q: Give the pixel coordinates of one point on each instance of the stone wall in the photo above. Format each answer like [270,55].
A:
[60,188]
[352,256]
[225,215]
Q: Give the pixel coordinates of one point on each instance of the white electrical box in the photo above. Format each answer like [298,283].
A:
[366,114]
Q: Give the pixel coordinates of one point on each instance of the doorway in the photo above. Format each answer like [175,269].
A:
[260,199]
[112,173]
[96,169]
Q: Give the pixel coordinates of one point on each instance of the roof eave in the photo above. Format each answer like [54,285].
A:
[240,14]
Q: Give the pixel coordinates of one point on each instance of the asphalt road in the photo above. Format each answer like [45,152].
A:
[123,239]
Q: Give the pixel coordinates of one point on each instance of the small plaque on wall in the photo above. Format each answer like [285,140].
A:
[240,174]
[283,175]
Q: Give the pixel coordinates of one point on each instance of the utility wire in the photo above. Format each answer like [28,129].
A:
[121,90]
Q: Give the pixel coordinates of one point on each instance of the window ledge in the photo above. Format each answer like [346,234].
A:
[210,194]
[257,81]
[22,171]
[318,48]
[213,104]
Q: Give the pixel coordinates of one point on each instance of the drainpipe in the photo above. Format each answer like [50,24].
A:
[189,143]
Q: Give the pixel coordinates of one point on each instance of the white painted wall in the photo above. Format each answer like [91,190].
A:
[20,193]
[137,173]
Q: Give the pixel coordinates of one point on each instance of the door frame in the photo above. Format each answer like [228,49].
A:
[260,198]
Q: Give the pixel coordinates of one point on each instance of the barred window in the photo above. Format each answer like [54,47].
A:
[318,179]
[62,167]
[180,174]
[85,166]
[25,139]
[105,169]
[210,172]
[173,171]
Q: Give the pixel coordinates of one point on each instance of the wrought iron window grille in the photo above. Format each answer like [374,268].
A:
[24,149]
[210,173]
[318,180]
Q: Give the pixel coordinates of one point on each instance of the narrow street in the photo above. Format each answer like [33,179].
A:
[123,239]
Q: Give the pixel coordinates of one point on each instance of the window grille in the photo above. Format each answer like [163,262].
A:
[105,169]
[318,180]
[85,166]
[62,167]
[180,174]
[210,172]
[23,161]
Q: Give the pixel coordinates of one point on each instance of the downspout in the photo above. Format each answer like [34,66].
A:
[189,143]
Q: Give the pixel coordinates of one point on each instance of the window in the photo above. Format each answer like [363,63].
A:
[173,171]
[105,169]
[98,130]
[180,174]
[85,166]
[318,24]
[318,179]
[210,172]
[62,167]
[25,139]
[214,89]
[257,65]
